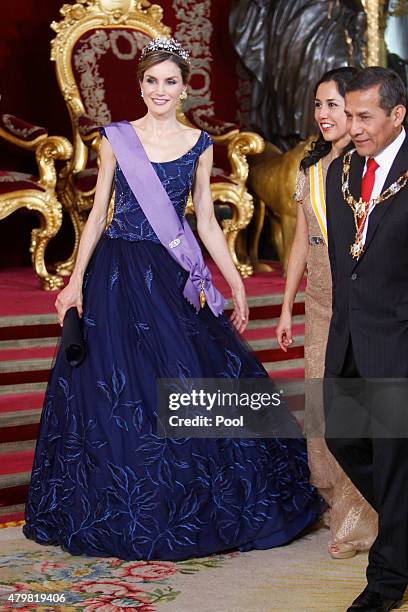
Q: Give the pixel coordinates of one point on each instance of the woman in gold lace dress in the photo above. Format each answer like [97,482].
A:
[352,521]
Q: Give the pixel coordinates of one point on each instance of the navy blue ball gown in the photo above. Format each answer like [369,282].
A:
[103,484]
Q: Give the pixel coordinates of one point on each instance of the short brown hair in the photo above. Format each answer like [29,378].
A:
[157,57]
[391,87]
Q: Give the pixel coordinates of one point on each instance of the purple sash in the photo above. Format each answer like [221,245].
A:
[147,188]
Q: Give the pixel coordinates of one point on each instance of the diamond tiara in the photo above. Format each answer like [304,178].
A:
[171,45]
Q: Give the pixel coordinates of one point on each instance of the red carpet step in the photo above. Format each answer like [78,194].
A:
[20,292]
[16,402]
[24,353]
[15,462]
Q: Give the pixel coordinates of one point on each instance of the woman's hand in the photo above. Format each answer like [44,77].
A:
[284,331]
[67,298]
[240,315]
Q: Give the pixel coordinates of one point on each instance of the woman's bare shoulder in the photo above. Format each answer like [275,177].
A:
[190,134]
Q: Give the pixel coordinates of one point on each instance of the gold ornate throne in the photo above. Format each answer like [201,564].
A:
[21,190]
[96,50]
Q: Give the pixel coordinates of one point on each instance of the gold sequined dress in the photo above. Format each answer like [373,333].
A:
[350,518]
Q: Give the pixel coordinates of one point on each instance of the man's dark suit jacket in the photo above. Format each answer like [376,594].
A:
[370,295]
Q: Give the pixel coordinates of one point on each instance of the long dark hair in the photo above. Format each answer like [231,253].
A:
[321,147]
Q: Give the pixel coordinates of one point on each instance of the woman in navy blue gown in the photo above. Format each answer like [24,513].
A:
[103,484]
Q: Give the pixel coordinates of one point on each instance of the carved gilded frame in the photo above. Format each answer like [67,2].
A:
[45,201]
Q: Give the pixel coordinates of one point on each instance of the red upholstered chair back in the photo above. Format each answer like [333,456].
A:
[104,64]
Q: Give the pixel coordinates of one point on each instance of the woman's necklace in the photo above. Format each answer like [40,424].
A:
[360,208]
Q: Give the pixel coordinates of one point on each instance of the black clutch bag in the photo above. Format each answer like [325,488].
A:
[73,343]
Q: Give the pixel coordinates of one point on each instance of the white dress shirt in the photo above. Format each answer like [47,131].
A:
[385,159]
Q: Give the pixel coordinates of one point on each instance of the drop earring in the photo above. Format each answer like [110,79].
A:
[183,95]
[141,93]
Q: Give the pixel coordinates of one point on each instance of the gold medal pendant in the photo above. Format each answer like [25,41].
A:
[202,295]
[357,248]
[359,208]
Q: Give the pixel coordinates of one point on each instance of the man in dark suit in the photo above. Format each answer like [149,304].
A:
[368,338]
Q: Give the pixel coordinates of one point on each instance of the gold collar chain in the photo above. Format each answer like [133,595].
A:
[359,207]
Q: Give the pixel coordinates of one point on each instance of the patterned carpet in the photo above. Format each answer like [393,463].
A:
[300,577]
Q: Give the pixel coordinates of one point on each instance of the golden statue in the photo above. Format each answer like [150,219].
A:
[272,178]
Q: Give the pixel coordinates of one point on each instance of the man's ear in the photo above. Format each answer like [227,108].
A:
[398,114]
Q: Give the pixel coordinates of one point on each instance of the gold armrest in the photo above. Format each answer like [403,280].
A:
[224,139]
[47,151]
[241,145]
